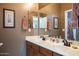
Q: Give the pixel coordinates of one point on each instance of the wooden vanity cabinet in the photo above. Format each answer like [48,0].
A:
[29,51]
[45,52]
[35,50]
[32,49]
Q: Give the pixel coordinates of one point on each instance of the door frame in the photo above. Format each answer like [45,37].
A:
[66,22]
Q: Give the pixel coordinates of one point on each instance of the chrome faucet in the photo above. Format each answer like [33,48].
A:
[66,43]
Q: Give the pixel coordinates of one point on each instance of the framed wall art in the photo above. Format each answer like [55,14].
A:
[55,22]
[8,18]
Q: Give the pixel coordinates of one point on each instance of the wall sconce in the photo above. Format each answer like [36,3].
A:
[63,29]
[45,30]
[29,5]
[29,30]
[1,44]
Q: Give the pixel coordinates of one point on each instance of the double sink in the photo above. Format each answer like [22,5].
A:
[58,47]
[49,41]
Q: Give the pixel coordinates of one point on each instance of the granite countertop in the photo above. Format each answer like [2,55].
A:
[55,47]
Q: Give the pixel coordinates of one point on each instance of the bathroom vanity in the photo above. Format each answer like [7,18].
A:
[35,46]
[36,50]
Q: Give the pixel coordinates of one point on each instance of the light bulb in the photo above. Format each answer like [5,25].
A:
[29,29]
[29,5]
[45,30]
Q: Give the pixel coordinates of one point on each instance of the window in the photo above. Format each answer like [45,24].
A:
[35,22]
[43,22]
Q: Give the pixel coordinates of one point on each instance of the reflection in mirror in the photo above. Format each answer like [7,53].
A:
[35,25]
[34,18]
[70,32]
[42,24]
[52,26]
[35,22]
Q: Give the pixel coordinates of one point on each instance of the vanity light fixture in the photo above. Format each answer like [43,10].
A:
[45,30]
[29,5]
[29,30]
[1,44]
[63,29]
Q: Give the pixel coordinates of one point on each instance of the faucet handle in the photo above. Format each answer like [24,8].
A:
[66,43]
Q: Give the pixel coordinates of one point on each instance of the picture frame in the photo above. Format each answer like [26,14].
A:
[55,22]
[8,18]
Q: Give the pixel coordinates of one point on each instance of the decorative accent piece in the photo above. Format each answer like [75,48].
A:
[55,22]
[24,23]
[8,18]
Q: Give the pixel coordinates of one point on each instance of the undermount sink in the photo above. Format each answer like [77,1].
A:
[54,43]
[47,41]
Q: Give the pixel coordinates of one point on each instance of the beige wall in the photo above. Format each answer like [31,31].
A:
[13,38]
[51,9]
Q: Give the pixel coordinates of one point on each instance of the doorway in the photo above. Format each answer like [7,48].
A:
[68,20]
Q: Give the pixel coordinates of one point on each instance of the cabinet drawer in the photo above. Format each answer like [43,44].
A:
[45,51]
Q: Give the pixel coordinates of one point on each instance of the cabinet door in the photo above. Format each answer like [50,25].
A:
[45,52]
[32,49]
[29,51]
[35,53]
[35,49]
